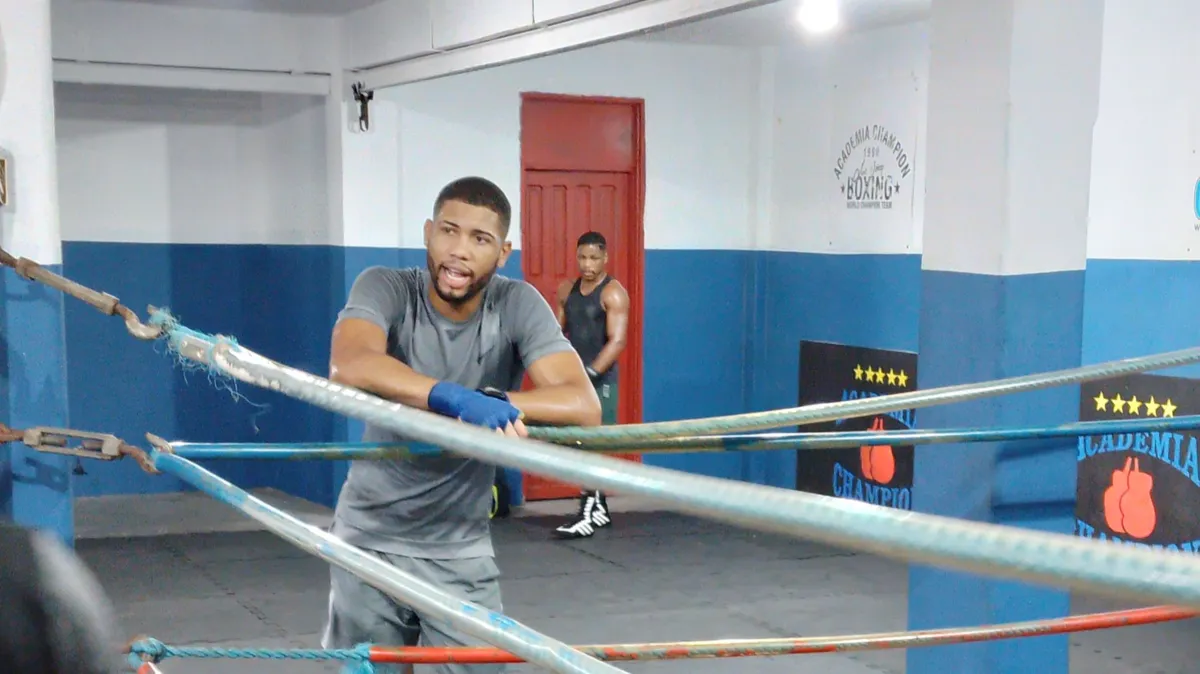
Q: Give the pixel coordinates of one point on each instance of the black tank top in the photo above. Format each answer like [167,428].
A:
[587,325]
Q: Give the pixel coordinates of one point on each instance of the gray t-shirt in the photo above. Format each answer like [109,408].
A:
[437,507]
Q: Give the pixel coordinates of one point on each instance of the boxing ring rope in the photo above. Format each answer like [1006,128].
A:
[702,443]
[426,599]
[145,651]
[615,436]
[623,435]
[689,650]
[980,547]
[984,548]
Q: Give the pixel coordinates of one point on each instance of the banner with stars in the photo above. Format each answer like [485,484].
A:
[882,474]
[1139,488]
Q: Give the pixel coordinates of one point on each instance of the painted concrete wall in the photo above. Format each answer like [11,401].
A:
[215,204]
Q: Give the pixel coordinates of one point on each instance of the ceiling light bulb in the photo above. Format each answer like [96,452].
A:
[818,16]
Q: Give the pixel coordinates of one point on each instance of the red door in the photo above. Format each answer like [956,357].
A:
[582,171]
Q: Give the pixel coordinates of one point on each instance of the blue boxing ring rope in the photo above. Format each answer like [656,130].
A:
[492,627]
[1006,552]
[703,443]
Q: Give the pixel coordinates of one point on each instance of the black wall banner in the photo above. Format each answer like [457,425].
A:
[881,475]
[1139,488]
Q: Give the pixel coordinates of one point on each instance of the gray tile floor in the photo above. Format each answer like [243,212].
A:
[190,571]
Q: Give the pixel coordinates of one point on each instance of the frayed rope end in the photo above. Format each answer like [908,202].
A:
[174,333]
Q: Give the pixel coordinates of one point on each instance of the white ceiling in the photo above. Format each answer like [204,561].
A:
[311,7]
[765,25]
[775,23]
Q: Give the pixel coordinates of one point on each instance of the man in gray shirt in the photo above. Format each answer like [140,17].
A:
[456,339]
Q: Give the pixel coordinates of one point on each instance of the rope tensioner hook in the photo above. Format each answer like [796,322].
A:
[105,303]
[100,446]
[10,435]
[91,446]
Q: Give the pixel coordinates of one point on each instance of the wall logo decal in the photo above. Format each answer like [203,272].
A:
[877,474]
[871,166]
[1139,488]
[1196,204]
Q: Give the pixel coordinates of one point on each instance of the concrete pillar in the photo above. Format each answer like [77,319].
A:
[1013,96]
[365,190]
[35,488]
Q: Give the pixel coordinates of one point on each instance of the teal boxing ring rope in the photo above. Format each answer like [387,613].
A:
[703,443]
[609,436]
[988,549]
[433,603]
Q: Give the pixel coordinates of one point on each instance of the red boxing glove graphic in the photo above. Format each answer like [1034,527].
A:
[878,461]
[1128,505]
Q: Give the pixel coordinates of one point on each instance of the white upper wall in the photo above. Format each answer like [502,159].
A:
[700,115]
[1145,164]
[29,219]
[142,165]
[150,165]
[1145,158]
[853,107]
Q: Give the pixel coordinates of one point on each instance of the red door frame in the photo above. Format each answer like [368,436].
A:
[630,408]
[630,413]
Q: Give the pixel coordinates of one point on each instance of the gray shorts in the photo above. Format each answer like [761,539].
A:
[358,613]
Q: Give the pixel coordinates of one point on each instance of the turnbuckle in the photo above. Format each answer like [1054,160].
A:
[103,446]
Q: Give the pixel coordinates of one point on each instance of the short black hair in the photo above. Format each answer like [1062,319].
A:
[592,239]
[480,192]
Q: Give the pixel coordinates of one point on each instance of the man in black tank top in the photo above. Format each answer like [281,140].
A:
[593,311]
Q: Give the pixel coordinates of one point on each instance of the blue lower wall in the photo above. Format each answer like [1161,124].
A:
[35,487]
[722,335]
[976,328]
[1139,307]
[278,299]
[870,301]
[282,302]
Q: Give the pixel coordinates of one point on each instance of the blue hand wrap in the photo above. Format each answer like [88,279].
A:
[459,402]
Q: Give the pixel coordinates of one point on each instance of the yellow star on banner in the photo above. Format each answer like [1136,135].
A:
[902,379]
[1101,402]
[1152,408]
[1118,404]
[870,373]
[1135,406]
[858,372]
[891,376]
[1168,408]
